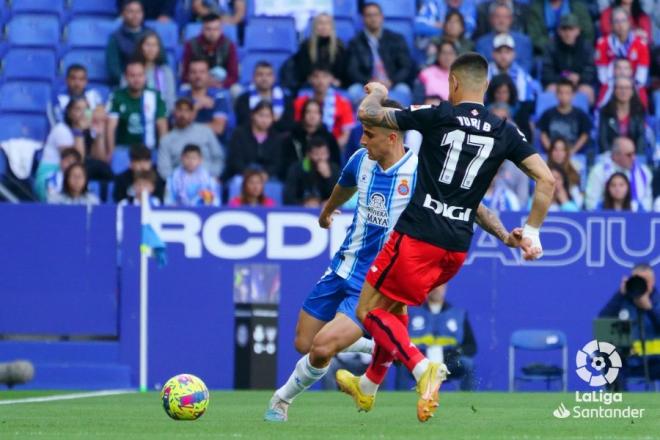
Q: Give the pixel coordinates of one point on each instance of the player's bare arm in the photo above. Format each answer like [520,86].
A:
[372,112]
[339,196]
[491,223]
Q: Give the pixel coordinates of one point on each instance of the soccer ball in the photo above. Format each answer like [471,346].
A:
[185,397]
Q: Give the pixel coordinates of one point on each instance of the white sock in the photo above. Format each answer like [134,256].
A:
[302,377]
[420,368]
[362,345]
[367,386]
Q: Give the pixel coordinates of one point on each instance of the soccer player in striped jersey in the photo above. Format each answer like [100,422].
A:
[384,176]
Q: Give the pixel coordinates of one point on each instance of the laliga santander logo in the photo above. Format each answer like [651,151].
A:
[598,363]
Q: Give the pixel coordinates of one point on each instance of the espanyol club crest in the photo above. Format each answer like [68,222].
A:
[403,188]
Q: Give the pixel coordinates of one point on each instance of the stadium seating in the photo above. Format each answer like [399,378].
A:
[168,32]
[276,34]
[89,32]
[345,9]
[403,27]
[344,27]
[538,340]
[34,31]
[28,97]
[272,189]
[251,60]
[102,8]
[92,59]
[191,31]
[547,100]
[120,160]
[19,125]
[29,64]
[51,7]
[397,9]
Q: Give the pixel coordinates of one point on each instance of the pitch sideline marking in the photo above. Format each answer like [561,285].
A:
[67,396]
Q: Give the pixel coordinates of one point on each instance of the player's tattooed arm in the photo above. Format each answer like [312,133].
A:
[491,223]
[372,112]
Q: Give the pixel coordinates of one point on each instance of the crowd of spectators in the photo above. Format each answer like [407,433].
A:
[581,80]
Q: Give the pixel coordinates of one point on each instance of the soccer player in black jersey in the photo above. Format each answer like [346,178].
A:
[463,146]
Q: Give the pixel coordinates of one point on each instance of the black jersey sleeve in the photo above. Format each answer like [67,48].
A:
[518,149]
[419,117]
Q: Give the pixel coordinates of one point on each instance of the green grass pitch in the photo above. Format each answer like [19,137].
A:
[322,415]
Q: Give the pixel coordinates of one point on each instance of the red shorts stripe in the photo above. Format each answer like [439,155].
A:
[407,269]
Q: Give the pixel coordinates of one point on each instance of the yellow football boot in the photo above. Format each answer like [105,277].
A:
[428,387]
[350,385]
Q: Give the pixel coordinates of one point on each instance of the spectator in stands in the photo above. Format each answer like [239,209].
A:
[623,115]
[562,199]
[617,195]
[76,87]
[435,78]
[217,49]
[378,54]
[504,62]
[74,188]
[54,183]
[503,90]
[160,76]
[621,159]
[231,11]
[140,162]
[191,184]
[255,143]
[122,43]
[639,21]
[559,155]
[142,181]
[252,191]
[296,144]
[263,88]
[564,120]
[310,181]
[444,334]
[337,111]
[211,105]
[545,16]
[621,69]
[433,13]
[622,43]
[137,113]
[454,31]
[570,56]
[501,20]
[485,25]
[79,130]
[186,132]
[322,47]
[499,197]
[161,10]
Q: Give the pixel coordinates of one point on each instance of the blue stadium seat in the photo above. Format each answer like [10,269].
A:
[28,97]
[538,340]
[344,27]
[403,27]
[90,32]
[102,8]
[231,31]
[34,30]
[51,7]
[274,190]
[29,64]
[277,34]
[345,9]
[398,8]
[18,125]
[120,160]
[192,30]
[92,59]
[168,32]
[547,100]
[252,58]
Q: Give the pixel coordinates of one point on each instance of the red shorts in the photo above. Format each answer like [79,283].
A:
[407,269]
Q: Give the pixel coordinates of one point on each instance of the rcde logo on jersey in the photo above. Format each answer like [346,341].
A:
[450,212]
[403,188]
[377,211]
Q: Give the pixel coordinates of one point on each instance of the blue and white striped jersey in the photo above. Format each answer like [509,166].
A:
[382,197]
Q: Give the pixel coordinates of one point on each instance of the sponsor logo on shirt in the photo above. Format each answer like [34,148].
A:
[377,211]
[450,212]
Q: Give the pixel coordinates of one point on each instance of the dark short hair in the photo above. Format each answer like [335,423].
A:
[132,62]
[321,67]
[184,100]
[125,3]
[139,152]
[199,59]
[211,17]
[391,103]
[317,142]
[263,64]
[263,104]
[471,63]
[565,82]
[70,152]
[149,175]
[370,4]
[191,148]
[75,66]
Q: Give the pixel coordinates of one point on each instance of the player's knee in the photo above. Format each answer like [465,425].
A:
[323,352]
[302,344]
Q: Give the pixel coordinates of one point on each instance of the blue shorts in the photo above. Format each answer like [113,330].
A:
[332,294]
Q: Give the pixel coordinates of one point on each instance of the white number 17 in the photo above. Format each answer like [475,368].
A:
[455,140]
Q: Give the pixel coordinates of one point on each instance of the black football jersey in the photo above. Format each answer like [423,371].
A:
[463,146]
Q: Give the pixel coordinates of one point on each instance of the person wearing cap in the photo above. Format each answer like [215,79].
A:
[504,62]
[622,43]
[184,132]
[544,18]
[501,19]
[569,56]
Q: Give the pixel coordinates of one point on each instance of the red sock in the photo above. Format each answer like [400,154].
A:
[392,336]
[382,359]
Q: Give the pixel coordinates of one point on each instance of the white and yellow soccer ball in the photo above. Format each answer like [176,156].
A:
[185,397]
